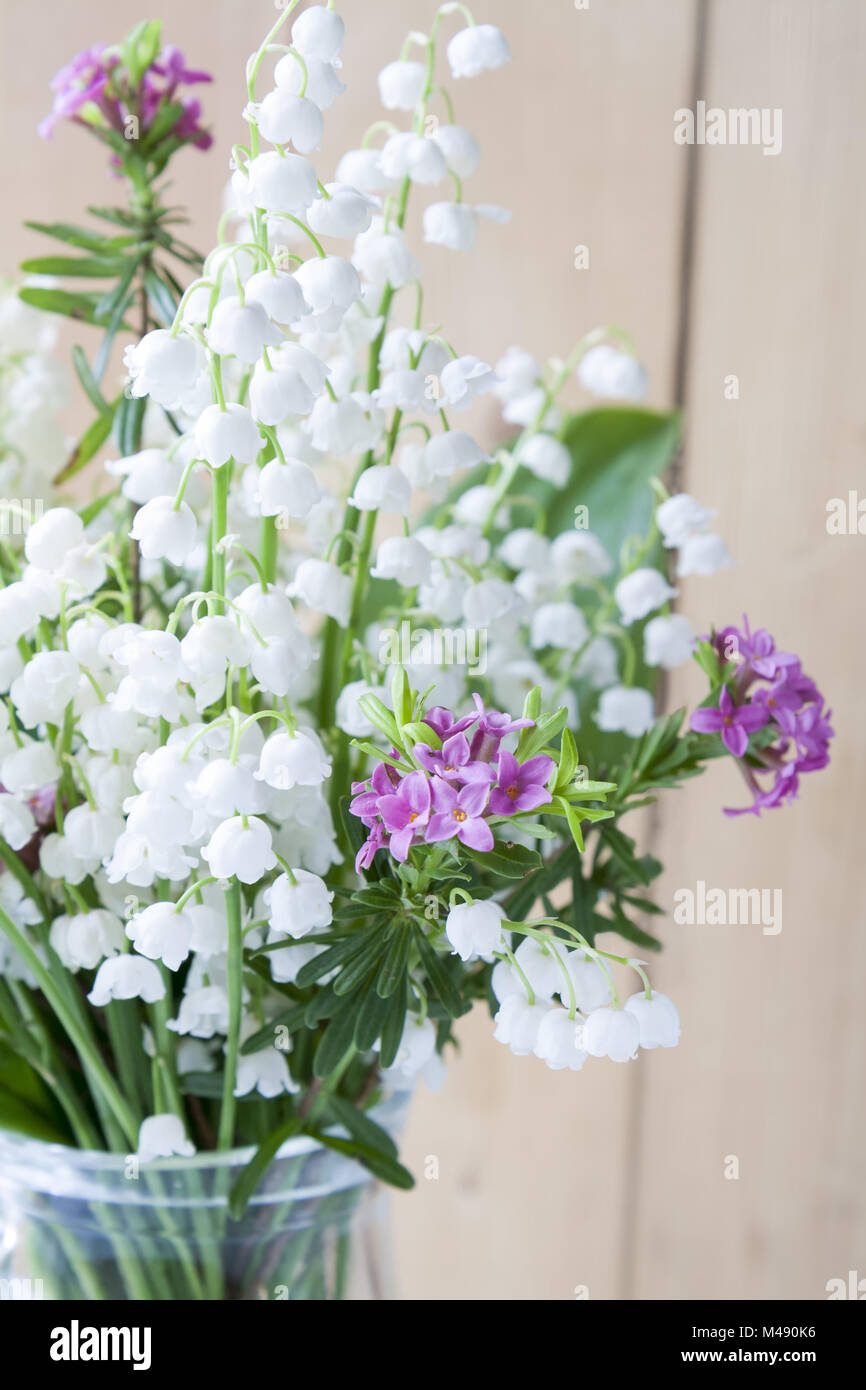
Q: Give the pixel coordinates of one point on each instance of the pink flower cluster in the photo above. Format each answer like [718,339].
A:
[455,791]
[91,77]
[769,689]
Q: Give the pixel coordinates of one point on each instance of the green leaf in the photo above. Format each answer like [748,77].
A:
[371,1016]
[361,1127]
[82,238]
[567,760]
[419,732]
[128,424]
[87,267]
[160,298]
[89,444]
[88,381]
[532,740]
[379,715]
[573,824]
[250,1176]
[401,698]
[26,1104]
[508,860]
[394,965]
[380,1165]
[392,1028]
[438,975]
[336,1039]
[72,306]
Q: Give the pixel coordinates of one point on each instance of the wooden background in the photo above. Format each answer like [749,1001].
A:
[720,261]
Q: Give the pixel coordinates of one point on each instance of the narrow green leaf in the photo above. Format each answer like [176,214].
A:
[250,1176]
[380,1165]
[86,267]
[361,1127]
[88,381]
[89,444]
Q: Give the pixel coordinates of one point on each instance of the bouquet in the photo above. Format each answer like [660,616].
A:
[320,722]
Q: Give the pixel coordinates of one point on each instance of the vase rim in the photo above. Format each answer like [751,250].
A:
[20,1147]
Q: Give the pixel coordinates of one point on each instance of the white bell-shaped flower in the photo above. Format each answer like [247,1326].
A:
[57,531]
[330,285]
[127,977]
[344,212]
[352,425]
[401,85]
[625,709]
[280,295]
[44,688]
[282,183]
[204,1012]
[411,156]
[319,33]
[679,517]
[455,225]
[612,1033]
[221,434]
[284,118]
[657,1017]
[291,760]
[543,964]
[163,1136]
[590,981]
[163,367]
[704,554]
[579,555]
[518,1021]
[382,489]
[404,559]
[477,48]
[289,386]
[28,768]
[640,592]
[17,822]
[295,909]
[556,1043]
[460,148]
[415,1050]
[266,1071]
[241,330]
[525,549]
[319,80]
[287,489]
[607,372]
[240,848]
[452,451]
[362,169]
[464,378]
[161,933]
[149,473]
[164,531]
[547,458]
[668,641]
[324,588]
[559,625]
[475,929]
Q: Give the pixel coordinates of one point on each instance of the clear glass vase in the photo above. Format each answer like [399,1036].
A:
[76,1224]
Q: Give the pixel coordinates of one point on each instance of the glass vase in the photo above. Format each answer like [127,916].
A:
[76,1224]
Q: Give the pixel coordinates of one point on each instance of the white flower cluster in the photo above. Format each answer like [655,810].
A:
[34,391]
[154,762]
[555,1000]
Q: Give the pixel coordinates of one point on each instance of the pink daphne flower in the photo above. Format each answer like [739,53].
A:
[733,722]
[460,813]
[404,811]
[520,786]
[453,761]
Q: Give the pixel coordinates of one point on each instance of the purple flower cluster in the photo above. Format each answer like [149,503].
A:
[768,689]
[456,790]
[96,75]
